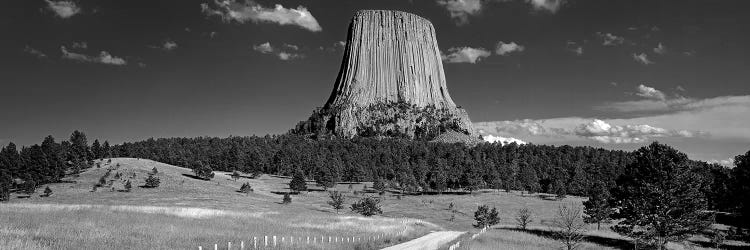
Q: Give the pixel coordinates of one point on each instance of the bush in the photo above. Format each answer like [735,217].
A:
[47,191]
[337,200]
[287,199]
[29,187]
[379,185]
[152,182]
[246,188]
[128,186]
[367,206]
[203,171]
[235,175]
[523,218]
[485,217]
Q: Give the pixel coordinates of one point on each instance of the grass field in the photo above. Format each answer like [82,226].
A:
[184,213]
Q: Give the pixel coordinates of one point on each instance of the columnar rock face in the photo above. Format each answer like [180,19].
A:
[391,82]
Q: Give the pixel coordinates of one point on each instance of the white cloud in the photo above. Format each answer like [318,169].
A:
[35,52]
[604,132]
[548,5]
[169,45]
[503,48]
[460,10]
[466,55]
[63,9]
[660,49]
[502,140]
[264,48]
[80,45]
[729,162]
[282,54]
[231,10]
[609,39]
[650,93]
[104,57]
[642,58]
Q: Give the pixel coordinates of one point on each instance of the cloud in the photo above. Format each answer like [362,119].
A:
[502,140]
[660,49]
[503,48]
[460,10]
[642,58]
[547,5]
[231,10]
[465,55]
[680,88]
[104,57]
[729,162]
[284,54]
[63,9]
[650,93]
[604,132]
[80,45]
[608,39]
[35,52]
[169,45]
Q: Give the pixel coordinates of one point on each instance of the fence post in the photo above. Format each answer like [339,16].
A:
[216,246]
[255,242]
[229,245]
[308,239]
[282,239]
[265,240]
[274,240]
[329,239]
[242,245]
[200,248]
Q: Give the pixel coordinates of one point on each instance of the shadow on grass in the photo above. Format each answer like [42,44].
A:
[195,177]
[604,241]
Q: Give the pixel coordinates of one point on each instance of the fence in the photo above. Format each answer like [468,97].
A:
[474,236]
[275,241]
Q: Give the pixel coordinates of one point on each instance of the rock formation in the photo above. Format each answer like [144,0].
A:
[391,83]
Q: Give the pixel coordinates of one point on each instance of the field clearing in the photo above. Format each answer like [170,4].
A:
[184,213]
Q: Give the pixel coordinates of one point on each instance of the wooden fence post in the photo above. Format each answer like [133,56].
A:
[265,240]
[229,245]
[308,239]
[200,248]
[255,242]
[274,240]
[242,245]
[216,246]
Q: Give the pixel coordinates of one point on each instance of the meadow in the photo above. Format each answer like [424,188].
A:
[184,213]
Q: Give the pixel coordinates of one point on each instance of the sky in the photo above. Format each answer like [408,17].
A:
[611,74]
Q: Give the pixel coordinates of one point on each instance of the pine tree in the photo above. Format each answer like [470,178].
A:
[485,217]
[128,186]
[79,148]
[367,206]
[106,150]
[246,188]
[337,200]
[379,184]
[528,178]
[54,159]
[152,181]
[659,197]
[597,206]
[202,171]
[96,150]
[298,182]
[287,199]
[235,175]
[47,192]
[740,187]
[325,178]
[5,184]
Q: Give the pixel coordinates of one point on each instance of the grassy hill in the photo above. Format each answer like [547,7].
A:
[185,212]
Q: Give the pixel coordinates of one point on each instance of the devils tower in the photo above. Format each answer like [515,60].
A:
[391,83]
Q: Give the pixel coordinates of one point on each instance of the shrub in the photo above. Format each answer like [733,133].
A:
[29,187]
[235,175]
[367,206]
[379,185]
[47,191]
[203,171]
[523,218]
[128,186]
[246,188]
[287,199]
[485,217]
[152,182]
[337,200]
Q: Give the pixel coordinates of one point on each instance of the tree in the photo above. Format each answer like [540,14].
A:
[106,150]
[597,207]
[203,171]
[523,217]
[96,150]
[325,178]
[235,175]
[559,189]
[658,197]
[529,179]
[128,186]
[287,199]
[439,180]
[367,206]
[154,171]
[298,182]
[246,188]
[379,184]
[152,181]
[47,192]
[337,200]
[5,182]
[740,187]
[569,226]
[485,217]
[79,151]
[29,187]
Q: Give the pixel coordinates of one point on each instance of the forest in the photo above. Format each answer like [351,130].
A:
[412,166]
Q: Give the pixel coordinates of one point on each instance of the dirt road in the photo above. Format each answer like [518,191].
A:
[430,241]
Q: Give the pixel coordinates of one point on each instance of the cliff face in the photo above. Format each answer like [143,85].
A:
[391,82]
